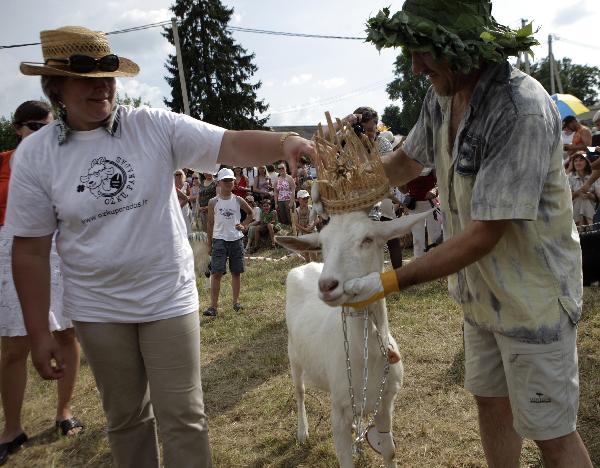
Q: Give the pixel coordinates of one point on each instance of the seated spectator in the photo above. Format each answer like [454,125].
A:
[584,202]
[255,208]
[304,224]
[266,223]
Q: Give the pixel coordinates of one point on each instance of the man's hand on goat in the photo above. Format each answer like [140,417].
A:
[370,288]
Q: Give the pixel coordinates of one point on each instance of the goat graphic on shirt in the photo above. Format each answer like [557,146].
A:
[108,179]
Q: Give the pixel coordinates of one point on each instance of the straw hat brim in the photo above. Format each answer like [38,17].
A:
[126,68]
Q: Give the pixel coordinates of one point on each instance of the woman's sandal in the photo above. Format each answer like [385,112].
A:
[67,425]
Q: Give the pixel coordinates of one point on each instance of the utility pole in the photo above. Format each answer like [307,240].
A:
[551,64]
[554,72]
[525,54]
[184,94]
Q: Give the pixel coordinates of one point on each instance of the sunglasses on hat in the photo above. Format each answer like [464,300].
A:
[33,126]
[86,64]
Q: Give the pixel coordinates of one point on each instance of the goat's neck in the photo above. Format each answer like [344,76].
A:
[378,311]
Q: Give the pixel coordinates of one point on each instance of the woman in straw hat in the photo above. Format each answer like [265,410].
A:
[103,180]
[29,118]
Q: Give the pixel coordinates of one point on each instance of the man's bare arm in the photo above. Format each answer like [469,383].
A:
[476,241]
[399,168]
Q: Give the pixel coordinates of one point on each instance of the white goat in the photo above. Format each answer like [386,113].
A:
[352,246]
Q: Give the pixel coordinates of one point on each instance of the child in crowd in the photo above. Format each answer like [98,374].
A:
[266,223]
[225,239]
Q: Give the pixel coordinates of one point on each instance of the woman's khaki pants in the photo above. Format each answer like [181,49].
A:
[143,368]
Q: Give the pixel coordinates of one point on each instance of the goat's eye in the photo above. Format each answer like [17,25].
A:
[366,242]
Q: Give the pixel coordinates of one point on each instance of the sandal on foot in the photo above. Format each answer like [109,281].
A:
[237,307]
[210,312]
[10,447]
[67,425]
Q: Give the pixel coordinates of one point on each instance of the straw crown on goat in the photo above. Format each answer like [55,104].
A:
[350,175]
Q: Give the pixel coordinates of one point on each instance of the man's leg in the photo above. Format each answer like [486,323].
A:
[171,353]
[565,452]
[113,353]
[501,443]
[485,379]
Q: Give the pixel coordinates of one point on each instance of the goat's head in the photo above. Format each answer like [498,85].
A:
[352,246]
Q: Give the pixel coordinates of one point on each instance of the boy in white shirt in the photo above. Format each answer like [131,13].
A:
[225,239]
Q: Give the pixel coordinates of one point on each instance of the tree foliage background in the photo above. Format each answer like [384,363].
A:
[411,90]
[218,71]
[582,81]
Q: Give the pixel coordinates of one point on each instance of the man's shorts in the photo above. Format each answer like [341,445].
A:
[541,380]
[223,250]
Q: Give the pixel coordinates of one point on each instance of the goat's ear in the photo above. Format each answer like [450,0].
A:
[400,226]
[305,243]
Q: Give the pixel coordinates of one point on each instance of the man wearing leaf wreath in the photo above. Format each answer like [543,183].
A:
[511,254]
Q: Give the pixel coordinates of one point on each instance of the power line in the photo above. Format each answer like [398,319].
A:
[331,99]
[231,28]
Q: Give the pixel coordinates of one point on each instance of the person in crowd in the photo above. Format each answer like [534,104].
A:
[423,190]
[241,188]
[183,195]
[225,239]
[364,121]
[273,174]
[584,203]
[266,223]
[194,190]
[104,181]
[596,134]
[29,117]
[387,210]
[250,174]
[582,136]
[510,249]
[262,184]
[285,189]
[255,208]
[304,224]
[206,191]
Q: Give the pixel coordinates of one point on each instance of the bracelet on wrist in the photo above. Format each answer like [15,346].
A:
[284,137]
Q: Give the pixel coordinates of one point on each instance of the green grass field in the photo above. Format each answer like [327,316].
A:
[249,396]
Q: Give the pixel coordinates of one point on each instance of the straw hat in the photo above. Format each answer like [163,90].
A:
[64,42]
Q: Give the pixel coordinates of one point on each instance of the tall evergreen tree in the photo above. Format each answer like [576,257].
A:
[411,89]
[217,70]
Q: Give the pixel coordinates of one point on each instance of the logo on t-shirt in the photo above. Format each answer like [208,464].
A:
[227,213]
[111,180]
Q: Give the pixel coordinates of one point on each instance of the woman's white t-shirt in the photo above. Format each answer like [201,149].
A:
[121,234]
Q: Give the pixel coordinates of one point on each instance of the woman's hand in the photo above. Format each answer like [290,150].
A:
[47,357]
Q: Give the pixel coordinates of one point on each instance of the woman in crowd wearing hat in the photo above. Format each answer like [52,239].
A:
[28,118]
[102,177]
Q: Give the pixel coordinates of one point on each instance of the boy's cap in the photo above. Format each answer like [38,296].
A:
[225,173]
[303,194]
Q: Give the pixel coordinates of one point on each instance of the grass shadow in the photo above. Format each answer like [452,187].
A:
[260,357]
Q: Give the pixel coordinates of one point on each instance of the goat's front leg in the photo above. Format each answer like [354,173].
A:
[383,424]
[341,425]
[296,371]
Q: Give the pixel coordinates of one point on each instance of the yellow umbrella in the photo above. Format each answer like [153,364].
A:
[568,105]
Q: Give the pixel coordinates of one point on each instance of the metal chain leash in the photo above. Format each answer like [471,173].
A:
[358,420]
